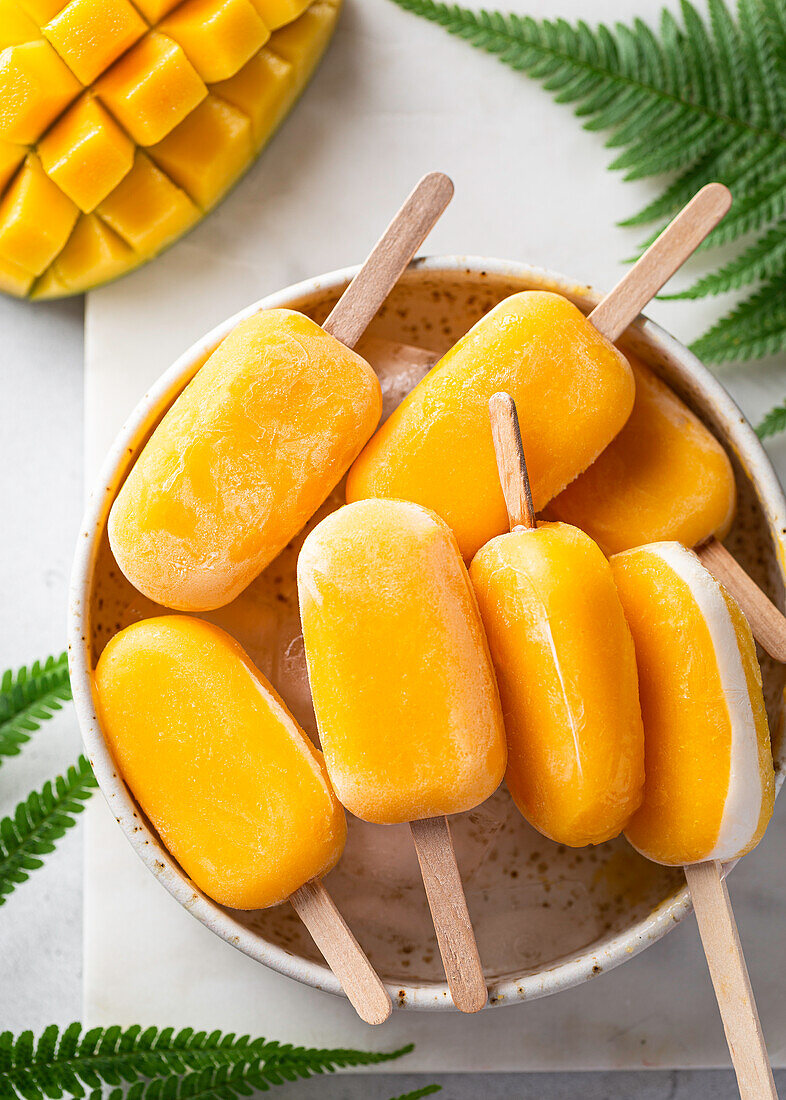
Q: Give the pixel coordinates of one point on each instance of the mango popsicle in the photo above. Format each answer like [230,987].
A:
[243,458]
[234,788]
[404,692]
[709,786]
[565,663]
[575,390]
[260,436]
[567,677]
[663,477]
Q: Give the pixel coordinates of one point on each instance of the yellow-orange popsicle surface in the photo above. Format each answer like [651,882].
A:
[404,692]
[709,786]
[245,456]
[233,786]
[664,477]
[566,669]
[573,389]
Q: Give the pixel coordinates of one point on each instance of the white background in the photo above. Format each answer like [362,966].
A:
[394,98]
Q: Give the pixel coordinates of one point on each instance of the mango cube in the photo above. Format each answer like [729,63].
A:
[263,90]
[36,218]
[35,86]
[90,34]
[146,209]
[93,254]
[151,89]
[207,151]
[16,26]
[302,42]
[86,153]
[218,36]
[275,13]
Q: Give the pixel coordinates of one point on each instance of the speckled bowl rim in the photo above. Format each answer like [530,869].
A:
[579,966]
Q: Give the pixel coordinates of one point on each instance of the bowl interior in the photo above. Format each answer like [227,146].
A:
[535,905]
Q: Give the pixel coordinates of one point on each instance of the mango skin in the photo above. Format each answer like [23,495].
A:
[566,668]
[39,91]
[242,460]
[573,389]
[232,785]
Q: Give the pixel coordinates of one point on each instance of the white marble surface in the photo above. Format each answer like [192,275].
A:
[552,204]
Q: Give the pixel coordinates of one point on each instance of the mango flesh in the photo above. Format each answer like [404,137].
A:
[142,115]
[709,786]
[234,788]
[566,668]
[245,456]
[664,477]
[403,689]
[573,389]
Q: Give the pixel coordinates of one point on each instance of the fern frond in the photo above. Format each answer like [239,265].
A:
[755,328]
[764,259]
[28,697]
[702,95]
[39,822]
[773,423]
[160,1064]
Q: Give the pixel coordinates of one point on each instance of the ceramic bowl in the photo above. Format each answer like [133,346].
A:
[546,917]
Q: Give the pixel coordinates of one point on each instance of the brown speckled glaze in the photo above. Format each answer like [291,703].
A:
[536,906]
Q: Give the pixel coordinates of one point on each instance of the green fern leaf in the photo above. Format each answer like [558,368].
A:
[773,423]
[160,1064]
[755,328]
[39,822]
[702,96]
[28,697]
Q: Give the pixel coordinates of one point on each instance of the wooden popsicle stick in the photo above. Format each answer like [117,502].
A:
[342,952]
[767,622]
[448,905]
[511,463]
[388,259]
[726,963]
[678,241]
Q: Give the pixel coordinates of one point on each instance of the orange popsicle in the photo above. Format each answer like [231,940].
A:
[567,677]
[230,782]
[233,786]
[709,785]
[404,692]
[244,457]
[574,389]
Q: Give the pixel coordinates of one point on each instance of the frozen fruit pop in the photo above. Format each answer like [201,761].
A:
[260,436]
[664,477]
[709,778]
[709,786]
[234,788]
[565,663]
[243,458]
[575,390]
[404,692]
